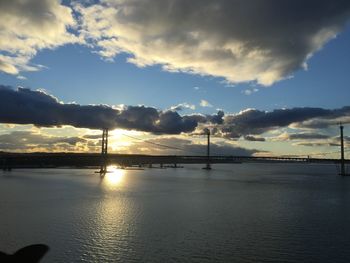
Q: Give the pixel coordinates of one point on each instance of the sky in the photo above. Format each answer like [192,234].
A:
[265,77]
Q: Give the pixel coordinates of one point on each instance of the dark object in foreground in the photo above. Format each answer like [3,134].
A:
[28,254]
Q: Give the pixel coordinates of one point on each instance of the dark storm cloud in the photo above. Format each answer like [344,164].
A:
[239,40]
[25,106]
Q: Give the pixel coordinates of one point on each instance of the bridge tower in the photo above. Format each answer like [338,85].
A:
[342,159]
[104,152]
[208,165]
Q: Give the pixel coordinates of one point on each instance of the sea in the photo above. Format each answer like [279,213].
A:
[249,212]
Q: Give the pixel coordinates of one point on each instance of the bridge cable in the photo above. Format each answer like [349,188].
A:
[162,145]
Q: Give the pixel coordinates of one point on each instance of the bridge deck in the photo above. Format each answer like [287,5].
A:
[15,160]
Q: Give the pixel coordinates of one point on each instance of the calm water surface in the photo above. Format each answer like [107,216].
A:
[234,213]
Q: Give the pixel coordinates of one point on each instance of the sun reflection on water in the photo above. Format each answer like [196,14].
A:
[114,177]
[110,230]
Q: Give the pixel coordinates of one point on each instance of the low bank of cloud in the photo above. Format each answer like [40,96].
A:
[25,106]
[257,122]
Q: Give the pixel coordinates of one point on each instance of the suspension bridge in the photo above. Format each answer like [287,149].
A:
[9,161]
[209,159]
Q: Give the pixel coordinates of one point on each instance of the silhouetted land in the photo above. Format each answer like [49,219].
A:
[28,254]
[85,160]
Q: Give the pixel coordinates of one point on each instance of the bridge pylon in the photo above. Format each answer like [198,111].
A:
[104,152]
[342,158]
[208,165]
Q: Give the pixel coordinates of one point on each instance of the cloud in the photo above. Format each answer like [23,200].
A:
[29,26]
[254,138]
[205,103]
[338,116]
[182,106]
[324,143]
[27,141]
[304,136]
[181,146]
[216,118]
[34,141]
[21,77]
[250,91]
[240,41]
[256,122]
[25,106]
[316,144]
[92,136]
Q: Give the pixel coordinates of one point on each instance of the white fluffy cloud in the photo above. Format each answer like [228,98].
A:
[240,41]
[27,26]
[205,103]
[182,106]
[255,40]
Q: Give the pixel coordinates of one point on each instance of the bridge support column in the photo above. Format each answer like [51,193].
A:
[208,165]
[342,159]
[104,152]
[6,166]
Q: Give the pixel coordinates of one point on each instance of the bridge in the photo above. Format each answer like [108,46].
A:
[93,160]
[9,161]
